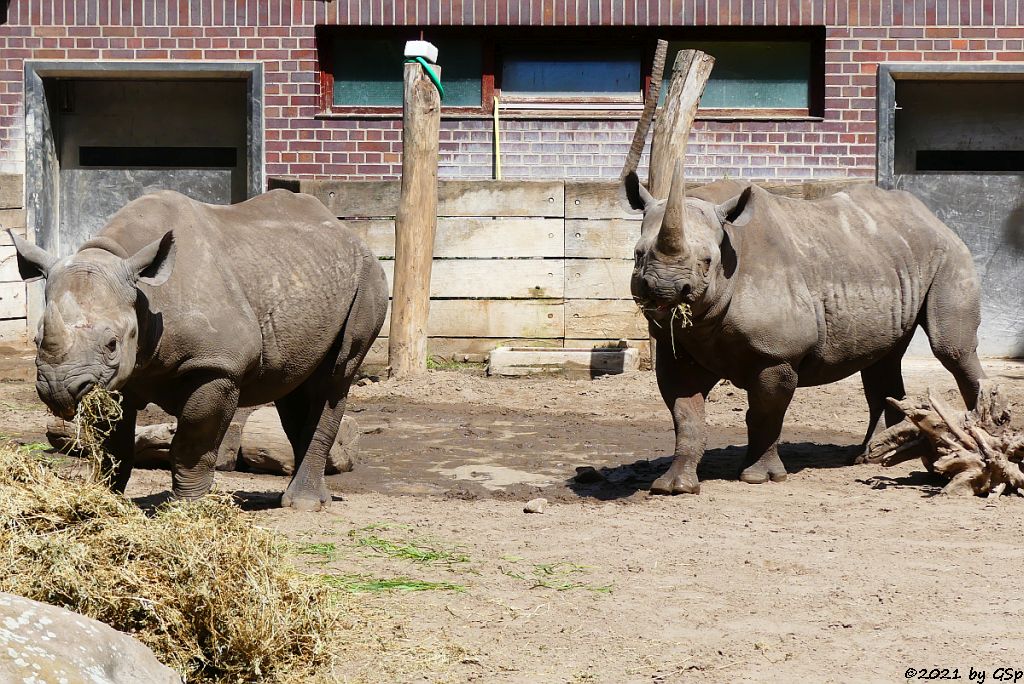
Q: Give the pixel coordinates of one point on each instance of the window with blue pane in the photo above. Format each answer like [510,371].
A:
[368,73]
[571,74]
[753,74]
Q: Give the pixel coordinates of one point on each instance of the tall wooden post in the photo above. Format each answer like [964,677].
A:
[690,74]
[415,223]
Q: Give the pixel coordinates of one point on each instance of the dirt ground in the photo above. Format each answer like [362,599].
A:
[842,573]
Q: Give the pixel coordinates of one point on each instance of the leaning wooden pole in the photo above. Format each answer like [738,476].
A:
[690,74]
[643,127]
[415,223]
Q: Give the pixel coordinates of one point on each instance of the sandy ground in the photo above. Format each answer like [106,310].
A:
[841,573]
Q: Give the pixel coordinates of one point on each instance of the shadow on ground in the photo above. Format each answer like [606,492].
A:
[609,483]
[929,484]
[247,501]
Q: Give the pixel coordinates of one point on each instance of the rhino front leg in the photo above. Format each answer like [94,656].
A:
[768,398]
[120,448]
[204,419]
[684,386]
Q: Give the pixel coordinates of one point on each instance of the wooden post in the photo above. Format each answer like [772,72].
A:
[672,128]
[415,223]
[690,74]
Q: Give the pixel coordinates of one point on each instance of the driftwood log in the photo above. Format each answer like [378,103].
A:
[976,449]
[265,447]
[254,437]
[152,443]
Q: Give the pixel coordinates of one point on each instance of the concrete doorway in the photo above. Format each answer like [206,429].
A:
[101,135]
[953,135]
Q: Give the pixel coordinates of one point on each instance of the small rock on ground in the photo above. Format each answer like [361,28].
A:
[535,506]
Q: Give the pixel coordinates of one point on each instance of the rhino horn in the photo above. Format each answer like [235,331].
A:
[670,237]
[55,332]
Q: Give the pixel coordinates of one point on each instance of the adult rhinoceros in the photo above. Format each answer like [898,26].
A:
[201,309]
[786,293]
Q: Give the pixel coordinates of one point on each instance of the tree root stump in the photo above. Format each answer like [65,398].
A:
[977,450]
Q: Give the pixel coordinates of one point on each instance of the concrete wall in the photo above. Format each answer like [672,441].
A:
[957,115]
[132,113]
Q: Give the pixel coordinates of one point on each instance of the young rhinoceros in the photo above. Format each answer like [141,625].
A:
[786,293]
[201,309]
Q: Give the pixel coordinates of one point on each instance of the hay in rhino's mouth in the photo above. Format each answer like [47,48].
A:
[680,312]
[96,417]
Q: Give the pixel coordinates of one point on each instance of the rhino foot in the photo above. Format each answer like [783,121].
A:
[304,500]
[766,468]
[676,483]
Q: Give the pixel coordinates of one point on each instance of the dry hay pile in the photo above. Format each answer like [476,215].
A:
[211,594]
[976,449]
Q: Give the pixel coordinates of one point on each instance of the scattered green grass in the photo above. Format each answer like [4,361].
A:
[416,550]
[441,363]
[324,552]
[363,584]
[561,576]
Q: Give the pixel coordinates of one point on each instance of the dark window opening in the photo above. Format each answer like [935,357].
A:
[158,157]
[978,161]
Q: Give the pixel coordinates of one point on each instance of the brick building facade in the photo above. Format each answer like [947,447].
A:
[302,140]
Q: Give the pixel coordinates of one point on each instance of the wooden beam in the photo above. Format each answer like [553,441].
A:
[690,74]
[415,223]
[672,128]
[478,238]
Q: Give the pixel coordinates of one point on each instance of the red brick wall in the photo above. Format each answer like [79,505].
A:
[859,35]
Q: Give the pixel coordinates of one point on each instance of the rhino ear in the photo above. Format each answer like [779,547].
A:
[636,193]
[153,263]
[33,262]
[729,211]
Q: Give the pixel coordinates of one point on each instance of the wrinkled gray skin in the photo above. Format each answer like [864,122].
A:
[789,293]
[201,309]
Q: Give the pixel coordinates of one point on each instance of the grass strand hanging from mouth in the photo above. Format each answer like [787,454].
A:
[681,312]
[97,415]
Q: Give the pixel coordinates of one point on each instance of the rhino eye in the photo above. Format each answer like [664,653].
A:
[112,345]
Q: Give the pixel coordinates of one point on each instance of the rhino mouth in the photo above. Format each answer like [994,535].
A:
[62,397]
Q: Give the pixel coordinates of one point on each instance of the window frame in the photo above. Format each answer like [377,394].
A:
[495,39]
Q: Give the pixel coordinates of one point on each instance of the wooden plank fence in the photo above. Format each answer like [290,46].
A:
[509,267]
[515,262]
[13,293]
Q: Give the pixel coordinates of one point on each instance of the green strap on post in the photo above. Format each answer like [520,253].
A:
[430,72]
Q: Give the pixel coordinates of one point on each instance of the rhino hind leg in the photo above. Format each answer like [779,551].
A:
[311,420]
[311,415]
[768,398]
